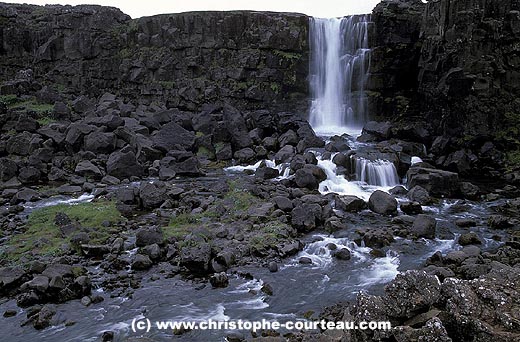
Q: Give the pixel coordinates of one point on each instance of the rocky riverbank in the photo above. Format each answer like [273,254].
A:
[205,175]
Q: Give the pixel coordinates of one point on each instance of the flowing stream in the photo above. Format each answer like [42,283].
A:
[339,69]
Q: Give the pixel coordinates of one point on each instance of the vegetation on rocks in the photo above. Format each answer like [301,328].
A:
[43,237]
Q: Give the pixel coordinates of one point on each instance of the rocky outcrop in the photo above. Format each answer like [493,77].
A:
[249,59]
[450,67]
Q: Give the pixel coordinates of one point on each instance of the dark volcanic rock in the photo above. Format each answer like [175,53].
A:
[436,182]
[172,137]
[424,226]
[382,203]
[124,165]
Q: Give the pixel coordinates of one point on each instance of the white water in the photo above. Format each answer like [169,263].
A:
[380,270]
[340,63]
[377,172]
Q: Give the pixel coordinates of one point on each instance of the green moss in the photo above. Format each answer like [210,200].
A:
[275,87]
[184,223]
[167,84]
[204,152]
[269,236]
[9,100]
[288,55]
[33,106]
[239,199]
[45,120]
[43,237]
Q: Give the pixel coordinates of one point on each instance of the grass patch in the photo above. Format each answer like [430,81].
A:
[184,223]
[288,55]
[45,120]
[9,100]
[167,84]
[43,237]
[269,236]
[31,105]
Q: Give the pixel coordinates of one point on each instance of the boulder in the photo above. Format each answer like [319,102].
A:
[381,130]
[148,236]
[419,195]
[351,204]
[437,182]
[172,137]
[424,227]
[99,142]
[309,177]
[141,262]
[124,165]
[306,217]
[152,194]
[382,203]
[87,168]
[411,208]
[219,280]
[196,256]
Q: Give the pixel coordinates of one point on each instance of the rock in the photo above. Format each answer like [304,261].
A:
[309,177]
[124,165]
[306,217]
[219,280]
[267,289]
[44,317]
[264,172]
[436,182]
[342,254]
[410,293]
[149,236]
[424,227]
[382,203]
[351,204]
[420,195]
[237,127]
[285,154]
[273,267]
[381,130]
[398,191]
[25,195]
[469,191]
[411,208]
[244,155]
[99,142]
[498,222]
[172,137]
[196,256]
[86,168]
[152,194]
[39,283]
[465,222]
[8,169]
[29,175]
[141,262]
[469,239]
[95,251]
[305,261]
[283,203]
[153,251]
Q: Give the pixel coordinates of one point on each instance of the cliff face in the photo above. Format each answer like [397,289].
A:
[453,64]
[249,59]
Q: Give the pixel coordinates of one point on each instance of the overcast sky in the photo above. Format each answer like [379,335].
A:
[140,8]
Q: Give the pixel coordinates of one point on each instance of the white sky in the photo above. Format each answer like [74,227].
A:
[141,8]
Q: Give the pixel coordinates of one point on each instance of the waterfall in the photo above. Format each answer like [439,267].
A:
[339,68]
[376,172]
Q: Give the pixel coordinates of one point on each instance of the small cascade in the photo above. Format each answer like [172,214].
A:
[376,172]
[339,69]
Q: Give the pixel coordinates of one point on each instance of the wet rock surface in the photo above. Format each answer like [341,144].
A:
[114,197]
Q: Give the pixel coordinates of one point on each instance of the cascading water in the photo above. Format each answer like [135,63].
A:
[340,64]
[377,172]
